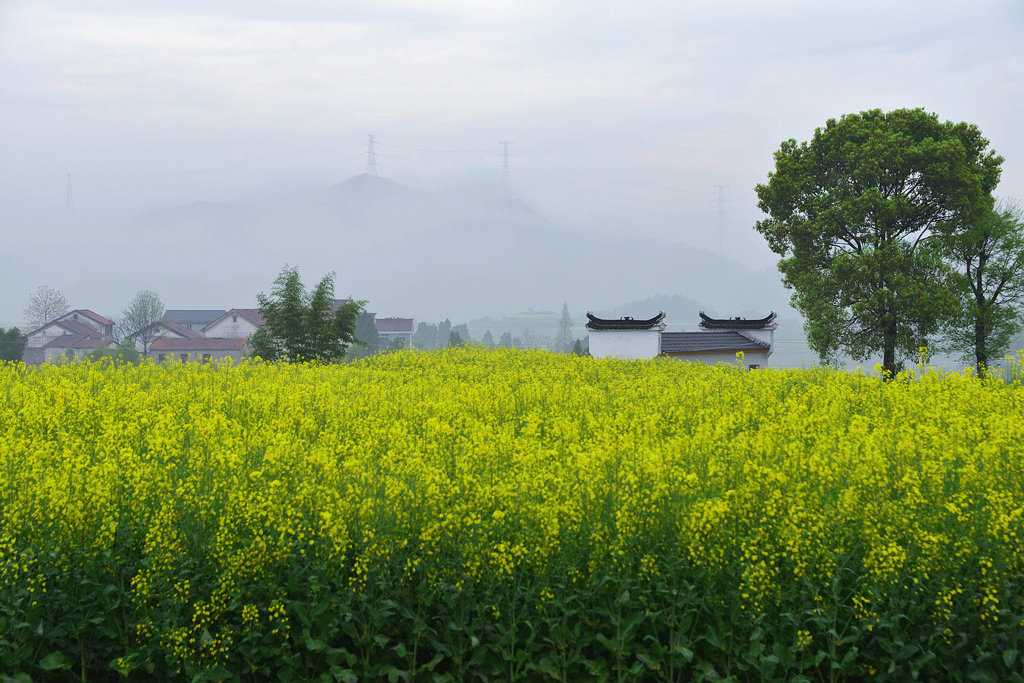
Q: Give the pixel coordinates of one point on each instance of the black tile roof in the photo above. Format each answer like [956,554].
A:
[736,323]
[626,323]
[707,342]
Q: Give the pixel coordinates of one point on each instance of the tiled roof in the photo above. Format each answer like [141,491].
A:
[736,323]
[93,316]
[394,324]
[253,315]
[78,341]
[192,316]
[181,329]
[626,323]
[75,327]
[199,344]
[708,342]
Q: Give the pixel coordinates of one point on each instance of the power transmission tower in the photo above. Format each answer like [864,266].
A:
[371,158]
[720,222]
[70,198]
[506,182]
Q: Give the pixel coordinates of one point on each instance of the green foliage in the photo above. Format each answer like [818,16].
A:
[858,215]
[988,253]
[425,337]
[12,344]
[301,326]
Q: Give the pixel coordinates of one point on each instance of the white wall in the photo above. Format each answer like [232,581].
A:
[230,328]
[627,344]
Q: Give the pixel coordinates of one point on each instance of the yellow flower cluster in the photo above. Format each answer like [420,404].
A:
[472,465]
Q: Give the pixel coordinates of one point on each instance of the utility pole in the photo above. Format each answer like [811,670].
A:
[506,182]
[371,158]
[720,222]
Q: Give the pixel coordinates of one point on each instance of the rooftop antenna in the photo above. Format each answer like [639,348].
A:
[506,183]
[371,158]
[70,198]
[720,222]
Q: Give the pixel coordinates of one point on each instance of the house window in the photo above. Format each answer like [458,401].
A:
[753,367]
[234,318]
[184,357]
[161,358]
[206,358]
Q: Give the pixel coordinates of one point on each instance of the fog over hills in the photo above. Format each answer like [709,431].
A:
[460,252]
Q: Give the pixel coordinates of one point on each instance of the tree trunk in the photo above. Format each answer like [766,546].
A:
[889,347]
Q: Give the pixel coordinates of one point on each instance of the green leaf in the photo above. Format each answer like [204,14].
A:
[1009,657]
[54,660]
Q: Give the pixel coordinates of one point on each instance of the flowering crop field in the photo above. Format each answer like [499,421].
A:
[508,515]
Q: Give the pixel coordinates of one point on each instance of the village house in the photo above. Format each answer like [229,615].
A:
[76,333]
[390,330]
[198,349]
[720,340]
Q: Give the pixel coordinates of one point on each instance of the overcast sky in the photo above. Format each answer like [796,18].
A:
[626,116]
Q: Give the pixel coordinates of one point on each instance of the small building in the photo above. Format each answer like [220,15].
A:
[720,341]
[391,329]
[626,338]
[79,331]
[198,349]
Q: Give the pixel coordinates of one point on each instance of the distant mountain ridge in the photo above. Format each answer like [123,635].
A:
[457,252]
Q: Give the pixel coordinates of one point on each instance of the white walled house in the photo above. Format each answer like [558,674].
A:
[237,323]
[198,349]
[77,333]
[390,329]
[625,338]
[720,341]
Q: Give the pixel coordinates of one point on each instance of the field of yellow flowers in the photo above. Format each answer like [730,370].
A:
[508,515]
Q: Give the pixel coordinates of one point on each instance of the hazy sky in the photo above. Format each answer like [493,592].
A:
[623,116]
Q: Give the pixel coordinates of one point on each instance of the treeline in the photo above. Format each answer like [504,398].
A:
[431,336]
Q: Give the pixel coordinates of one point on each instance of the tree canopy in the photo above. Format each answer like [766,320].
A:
[44,304]
[12,344]
[988,254]
[859,215]
[304,326]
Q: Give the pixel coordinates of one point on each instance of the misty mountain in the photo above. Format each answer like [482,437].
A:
[458,252]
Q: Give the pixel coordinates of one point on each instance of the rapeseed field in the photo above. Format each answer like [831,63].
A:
[508,515]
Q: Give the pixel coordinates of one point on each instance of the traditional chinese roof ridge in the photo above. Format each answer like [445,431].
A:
[719,341]
[394,324]
[624,323]
[198,344]
[737,323]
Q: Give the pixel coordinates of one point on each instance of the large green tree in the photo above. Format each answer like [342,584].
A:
[988,254]
[858,215]
[12,344]
[304,326]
